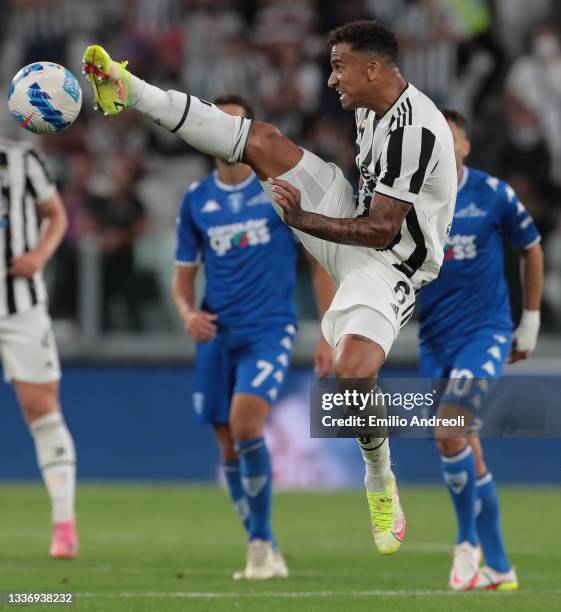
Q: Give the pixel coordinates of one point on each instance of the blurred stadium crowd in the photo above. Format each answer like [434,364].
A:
[499,61]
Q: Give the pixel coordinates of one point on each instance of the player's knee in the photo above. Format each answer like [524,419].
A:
[37,405]
[263,140]
[245,429]
[449,446]
[225,443]
[347,364]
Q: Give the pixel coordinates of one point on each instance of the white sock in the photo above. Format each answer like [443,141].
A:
[198,122]
[57,460]
[376,454]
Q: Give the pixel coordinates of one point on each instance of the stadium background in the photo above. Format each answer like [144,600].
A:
[153,534]
[127,364]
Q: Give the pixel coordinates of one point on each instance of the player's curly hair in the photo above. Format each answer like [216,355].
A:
[368,37]
[238,101]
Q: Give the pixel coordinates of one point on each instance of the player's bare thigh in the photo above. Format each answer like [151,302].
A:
[268,152]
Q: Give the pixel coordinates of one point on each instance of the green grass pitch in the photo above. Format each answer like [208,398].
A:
[174,548]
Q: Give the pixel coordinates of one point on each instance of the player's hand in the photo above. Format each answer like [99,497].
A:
[525,336]
[515,354]
[200,325]
[323,359]
[288,198]
[26,265]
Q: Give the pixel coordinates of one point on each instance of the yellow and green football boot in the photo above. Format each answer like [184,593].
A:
[388,520]
[111,81]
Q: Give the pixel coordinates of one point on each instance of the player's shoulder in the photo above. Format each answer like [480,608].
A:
[425,113]
[491,185]
[415,111]
[8,144]
[197,190]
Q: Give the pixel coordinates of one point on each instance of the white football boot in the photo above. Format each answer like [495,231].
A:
[281,569]
[260,563]
[492,580]
[465,567]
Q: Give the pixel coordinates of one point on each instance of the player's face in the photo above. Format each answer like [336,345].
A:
[350,76]
[462,145]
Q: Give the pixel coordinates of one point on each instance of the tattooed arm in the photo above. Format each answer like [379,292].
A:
[376,230]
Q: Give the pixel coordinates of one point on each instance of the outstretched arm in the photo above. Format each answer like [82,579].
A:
[376,230]
[526,335]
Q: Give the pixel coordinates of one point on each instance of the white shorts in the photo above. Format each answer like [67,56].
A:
[28,348]
[368,287]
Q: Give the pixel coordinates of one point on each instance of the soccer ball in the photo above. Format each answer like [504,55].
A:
[44,98]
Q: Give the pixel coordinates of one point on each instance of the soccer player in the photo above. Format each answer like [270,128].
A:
[466,336]
[244,330]
[29,199]
[380,247]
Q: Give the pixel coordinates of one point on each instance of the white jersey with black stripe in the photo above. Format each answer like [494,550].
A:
[408,154]
[24,185]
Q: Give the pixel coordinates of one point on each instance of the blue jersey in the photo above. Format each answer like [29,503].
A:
[248,252]
[471,291]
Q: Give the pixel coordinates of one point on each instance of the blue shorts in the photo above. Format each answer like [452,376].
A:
[240,361]
[471,370]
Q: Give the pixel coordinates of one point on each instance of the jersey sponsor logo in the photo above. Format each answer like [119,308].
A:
[460,247]
[224,238]
[210,206]
[469,212]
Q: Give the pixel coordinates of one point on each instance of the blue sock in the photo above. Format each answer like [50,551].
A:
[459,476]
[237,494]
[256,478]
[488,524]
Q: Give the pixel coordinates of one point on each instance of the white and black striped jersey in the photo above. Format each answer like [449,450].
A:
[408,154]
[25,185]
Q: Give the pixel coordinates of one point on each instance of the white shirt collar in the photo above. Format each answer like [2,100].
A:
[463,180]
[237,187]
